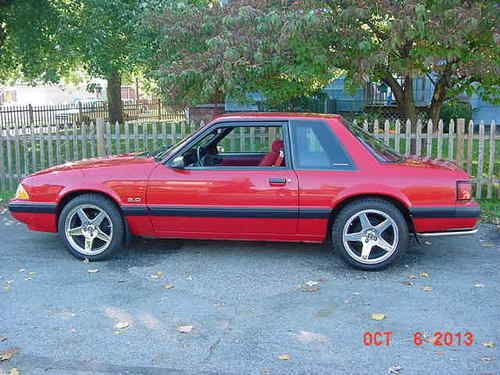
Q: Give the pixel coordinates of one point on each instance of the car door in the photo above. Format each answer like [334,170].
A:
[235,201]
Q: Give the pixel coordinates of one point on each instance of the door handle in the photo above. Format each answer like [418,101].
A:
[277,181]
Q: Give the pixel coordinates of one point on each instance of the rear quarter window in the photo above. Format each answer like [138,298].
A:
[315,146]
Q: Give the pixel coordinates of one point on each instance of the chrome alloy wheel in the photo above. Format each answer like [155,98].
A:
[370,236]
[88,229]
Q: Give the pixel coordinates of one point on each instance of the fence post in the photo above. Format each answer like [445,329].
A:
[80,112]
[101,141]
[30,107]
[460,141]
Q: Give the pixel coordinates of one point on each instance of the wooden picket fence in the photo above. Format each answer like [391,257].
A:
[26,149]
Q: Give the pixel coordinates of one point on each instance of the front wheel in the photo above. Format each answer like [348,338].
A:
[370,234]
[91,227]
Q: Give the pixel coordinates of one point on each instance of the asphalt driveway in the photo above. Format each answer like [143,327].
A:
[245,308]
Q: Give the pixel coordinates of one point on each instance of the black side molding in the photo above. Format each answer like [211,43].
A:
[445,212]
[227,212]
[39,208]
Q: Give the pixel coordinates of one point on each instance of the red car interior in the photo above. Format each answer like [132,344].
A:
[275,156]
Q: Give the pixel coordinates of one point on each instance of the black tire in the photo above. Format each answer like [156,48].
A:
[113,216]
[372,205]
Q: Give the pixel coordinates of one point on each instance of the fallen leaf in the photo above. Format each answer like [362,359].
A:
[14,371]
[93,270]
[28,279]
[424,274]
[407,283]
[311,283]
[121,325]
[428,242]
[487,244]
[411,277]
[487,359]
[168,286]
[395,369]
[7,354]
[9,281]
[31,273]
[427,288]
[21,270]
[306,288]
[184,329]
[86,260]
[478,285]
[3,338]
[378,316]
[308,337]
[157,275]
[489,344]
[284,357]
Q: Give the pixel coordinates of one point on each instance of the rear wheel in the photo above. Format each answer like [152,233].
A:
[91,227]
[370,234]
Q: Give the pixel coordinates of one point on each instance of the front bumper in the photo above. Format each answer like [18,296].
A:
[36,215]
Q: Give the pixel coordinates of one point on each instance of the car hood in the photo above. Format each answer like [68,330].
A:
[124,160]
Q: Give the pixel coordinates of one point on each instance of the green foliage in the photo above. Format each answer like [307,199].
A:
[454,110]
[206,51]
[29,47]
[286,51]
[48,39]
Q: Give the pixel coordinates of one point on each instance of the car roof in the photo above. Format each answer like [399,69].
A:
[274,115]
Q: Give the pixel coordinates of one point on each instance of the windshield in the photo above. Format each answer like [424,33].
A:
[379,149]
[165,151]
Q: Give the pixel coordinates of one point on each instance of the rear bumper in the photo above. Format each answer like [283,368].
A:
[459,219]
[453,212]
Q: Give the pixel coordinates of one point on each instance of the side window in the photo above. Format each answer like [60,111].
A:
[250,139]
[316,147]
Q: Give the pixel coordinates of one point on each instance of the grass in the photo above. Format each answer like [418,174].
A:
[490,210]
[5,196]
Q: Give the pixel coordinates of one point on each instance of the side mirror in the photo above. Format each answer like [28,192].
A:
[178,162]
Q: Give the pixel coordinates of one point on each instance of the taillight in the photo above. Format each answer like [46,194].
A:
[464,190]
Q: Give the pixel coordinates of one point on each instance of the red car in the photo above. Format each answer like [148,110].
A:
[257,176]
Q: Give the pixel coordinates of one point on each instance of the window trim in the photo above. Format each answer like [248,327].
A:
[344,168]
[242,123]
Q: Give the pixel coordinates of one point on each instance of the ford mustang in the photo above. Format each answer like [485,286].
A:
[255,176]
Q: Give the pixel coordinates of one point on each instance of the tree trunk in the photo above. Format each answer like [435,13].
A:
[115,112]
[404,97]
[439,96]
[434,112]
[406,105]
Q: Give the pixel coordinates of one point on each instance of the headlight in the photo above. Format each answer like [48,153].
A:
[21,193]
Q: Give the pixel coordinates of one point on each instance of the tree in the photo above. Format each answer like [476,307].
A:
[205,51]
[104,34]
[454,43]
[285,49]
[29,47]
[47,39]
